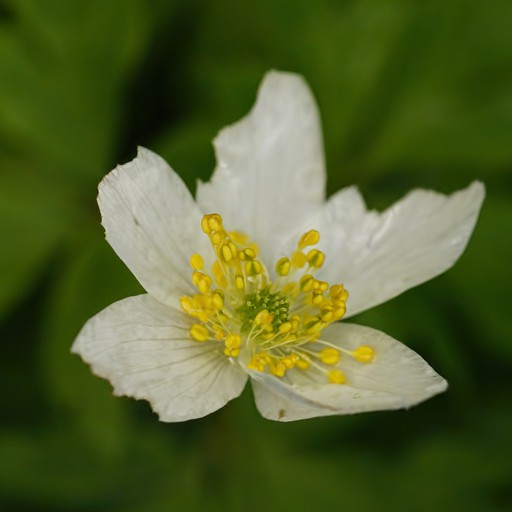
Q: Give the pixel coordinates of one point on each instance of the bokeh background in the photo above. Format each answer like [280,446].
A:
[412,94]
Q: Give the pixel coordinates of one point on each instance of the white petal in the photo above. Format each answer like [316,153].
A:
[142,347]
[270,166]
[378,256]
[396,378]
[153,223]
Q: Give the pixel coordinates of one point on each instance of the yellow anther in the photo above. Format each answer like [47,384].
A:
[278,368]
[295,321]
[211,223]
[327,315]
[188,305]
[199,332]
[255,364]
[336,377]
[220,334]
[203,315]
[233,341]
[202,281]
[302,363]
[253,268]
[289,361]
[306,283]
[285,327]
[196,261]
[218,237]
[364,354]
[338,292]
[329,355]
[247,254]
[227,251]
[233,248]
[312,237]
[315,258]
[239,282]
[338,312]
[259,362]
[320,285]
[283,267]
[217,299]
[298,259]
[263,318]
[317,298]
[231,352]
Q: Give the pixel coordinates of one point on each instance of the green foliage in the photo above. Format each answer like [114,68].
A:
[411,95]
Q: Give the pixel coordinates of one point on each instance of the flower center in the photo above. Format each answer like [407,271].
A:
[276,325]
[276,304]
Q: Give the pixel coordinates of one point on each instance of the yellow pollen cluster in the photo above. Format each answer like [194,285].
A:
[272,326]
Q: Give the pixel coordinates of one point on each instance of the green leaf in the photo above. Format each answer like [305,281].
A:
[483,278]
[34,217]
[63,68]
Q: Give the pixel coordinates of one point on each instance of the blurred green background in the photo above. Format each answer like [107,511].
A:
[412,94]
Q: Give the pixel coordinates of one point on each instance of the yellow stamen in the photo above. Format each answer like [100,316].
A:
[259,362]
[336,377]
[188,305]
[233,341]
[290,361]
[302,363]
[329,355]
[306,282]
[218,299]
[263,318]
[202,281]
[283,267]
[338,313]
[320,285]
[278,368]
[228,251]
[220,334]
[196,262]
[232,345]
[199,332]
[211,222]
[364,354]
[253,268]
[286,327]
[338,292]
[217,237]
[273,321]
[247,254]
[312,237]
[239,282]
[315,258]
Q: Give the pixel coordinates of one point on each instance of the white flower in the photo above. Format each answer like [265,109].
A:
[244,290]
